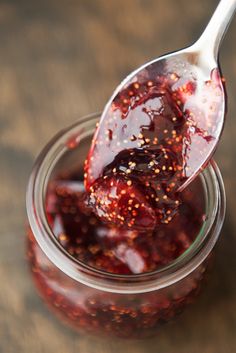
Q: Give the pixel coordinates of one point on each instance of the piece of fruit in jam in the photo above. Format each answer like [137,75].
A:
[154,135]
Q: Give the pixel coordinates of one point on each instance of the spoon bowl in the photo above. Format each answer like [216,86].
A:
[197,90]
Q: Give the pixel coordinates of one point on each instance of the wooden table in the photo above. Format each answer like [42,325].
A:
[60,59]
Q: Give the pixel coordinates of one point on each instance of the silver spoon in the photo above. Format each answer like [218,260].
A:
[182,85]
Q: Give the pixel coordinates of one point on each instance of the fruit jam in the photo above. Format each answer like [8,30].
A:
[155,134]
[117,251]
[111,249]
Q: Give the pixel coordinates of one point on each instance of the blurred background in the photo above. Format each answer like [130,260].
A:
[60,60]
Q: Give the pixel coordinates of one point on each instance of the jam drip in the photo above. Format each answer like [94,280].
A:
[151,139]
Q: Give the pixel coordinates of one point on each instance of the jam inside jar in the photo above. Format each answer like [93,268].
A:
[103,280]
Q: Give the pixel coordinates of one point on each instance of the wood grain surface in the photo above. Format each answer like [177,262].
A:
[61,59]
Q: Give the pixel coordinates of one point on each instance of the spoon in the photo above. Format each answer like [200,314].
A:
[162,123]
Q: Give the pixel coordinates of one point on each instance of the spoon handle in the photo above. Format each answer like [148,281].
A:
[212,36]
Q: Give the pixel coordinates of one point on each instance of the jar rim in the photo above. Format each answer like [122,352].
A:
[110,282]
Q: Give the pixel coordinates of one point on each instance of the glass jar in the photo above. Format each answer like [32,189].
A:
[100,302]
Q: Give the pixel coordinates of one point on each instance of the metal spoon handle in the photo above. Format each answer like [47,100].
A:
[212,36]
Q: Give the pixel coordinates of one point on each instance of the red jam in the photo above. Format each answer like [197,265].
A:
[104,247]
[122,251]
[157,132]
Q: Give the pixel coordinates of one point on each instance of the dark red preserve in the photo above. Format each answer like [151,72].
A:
[122,251]
[125,252]
[105,279]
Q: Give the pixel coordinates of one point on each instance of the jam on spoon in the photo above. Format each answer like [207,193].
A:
[158,130]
